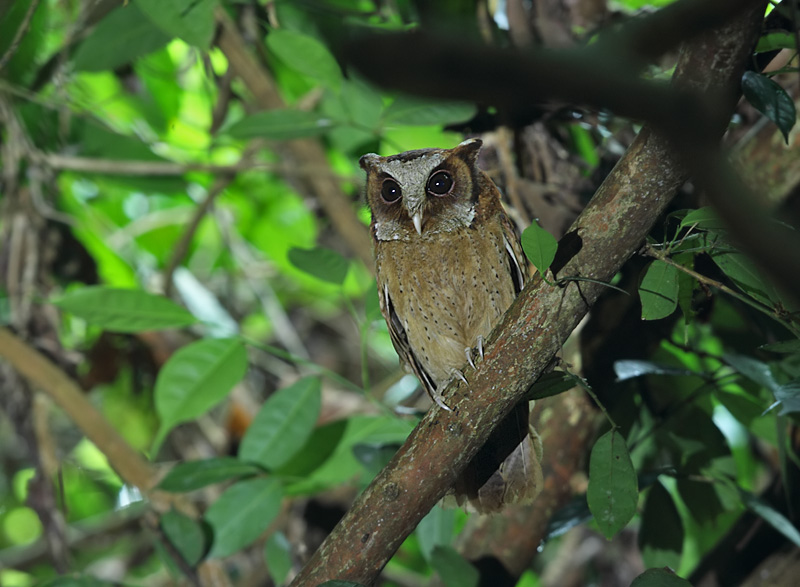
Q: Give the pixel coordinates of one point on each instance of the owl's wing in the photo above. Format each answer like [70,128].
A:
[517,261]
[399,337]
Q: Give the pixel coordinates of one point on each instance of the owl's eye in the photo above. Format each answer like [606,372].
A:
[440,183]
[390,191]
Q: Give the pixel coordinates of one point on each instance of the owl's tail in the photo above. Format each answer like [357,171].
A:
[507,470]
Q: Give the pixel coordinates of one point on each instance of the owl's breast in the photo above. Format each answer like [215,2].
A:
[447,290]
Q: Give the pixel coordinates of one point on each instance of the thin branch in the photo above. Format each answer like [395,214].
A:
[23,27]
[608,232]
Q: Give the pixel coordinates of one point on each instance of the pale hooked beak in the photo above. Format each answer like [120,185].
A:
[417,220]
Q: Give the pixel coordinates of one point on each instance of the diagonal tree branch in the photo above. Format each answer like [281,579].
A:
[607,233]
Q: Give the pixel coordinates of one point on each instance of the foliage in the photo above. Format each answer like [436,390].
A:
[189,263]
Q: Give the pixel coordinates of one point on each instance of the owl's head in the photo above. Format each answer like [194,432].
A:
[423,192]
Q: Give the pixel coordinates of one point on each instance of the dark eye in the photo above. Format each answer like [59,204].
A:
[440,183]
[390,191]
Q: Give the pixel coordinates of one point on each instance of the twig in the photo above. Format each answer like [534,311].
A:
[23,27]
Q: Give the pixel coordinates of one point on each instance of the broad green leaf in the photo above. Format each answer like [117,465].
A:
[435,529]
[659,578]
[319,446]
[372,304]
[659,290]
[661,531]
[375,456]
[306,55]
[771,100]
[242,514]
[119,38]
[453,569]
[277,554]
[585,145]
[784,346]
[124,310]
[744,273]
[628,369]
[193,475]
[770,515]
[322,263]
[539,246]
[417,112]
[753,369]
[281,125]
[550,384]
[185,534]
[283,424]
[776,41]
[190,20]
[613,488]
[196,378]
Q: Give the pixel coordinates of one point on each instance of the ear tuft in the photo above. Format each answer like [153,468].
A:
[468,150]
[368,160]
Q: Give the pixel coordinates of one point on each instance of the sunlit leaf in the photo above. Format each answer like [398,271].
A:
[705,218]
[416,111]
[242,514]
[124,310]
[322,263]
[190,20]
[119,38]
[776,41]
[771,100]
[193,475]
[281,125]
[277,554]
[659,578]
[283,424]
[185,534]
[306,55]
[539,246]
[453,569]
[613,487]
[196,378]
[659,290]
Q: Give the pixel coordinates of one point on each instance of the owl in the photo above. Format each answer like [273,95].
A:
[448,265]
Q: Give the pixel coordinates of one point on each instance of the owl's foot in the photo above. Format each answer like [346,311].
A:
[459,375]
[480,346]
[439,401]
[469,351]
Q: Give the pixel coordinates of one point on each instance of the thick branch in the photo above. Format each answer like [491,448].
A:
[607,233]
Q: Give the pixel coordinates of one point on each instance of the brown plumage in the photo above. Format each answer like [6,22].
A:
[448,265]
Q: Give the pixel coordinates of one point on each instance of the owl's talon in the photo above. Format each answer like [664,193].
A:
[468,352]
[480,346]
[460,375]
[439,401]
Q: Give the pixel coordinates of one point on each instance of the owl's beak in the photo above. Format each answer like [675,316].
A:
[417,220]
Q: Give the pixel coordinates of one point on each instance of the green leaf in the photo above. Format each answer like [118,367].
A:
[788,396]
[661,531]
[277,554]
[317,449]
[124,310]
[770,515]
[753,369]
[320,262]
[418,112]
[185,534]
[659,578]
[744,273]
[435,529]
[701,499]
[375,456]
[539,246]
[196,378]
[242,514]
[454,569]
[775,41]
[784,346]
[119,38]
[613,488]
[283,424]
[190,20]
[705,218]
[550,384]
[306,55]
[628,369]
[280,125]
[193,475]
[76,581]
[659,290]
[771,100]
